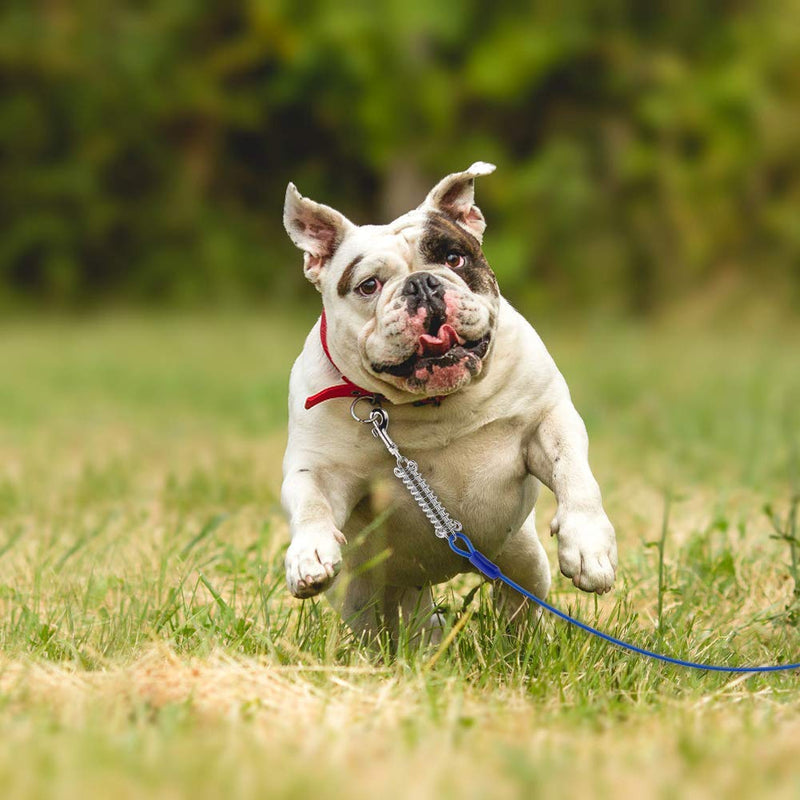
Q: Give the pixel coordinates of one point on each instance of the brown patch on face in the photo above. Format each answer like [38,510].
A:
[343,287]
[442,236]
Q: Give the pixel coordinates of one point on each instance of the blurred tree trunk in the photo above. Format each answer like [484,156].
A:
[404,187]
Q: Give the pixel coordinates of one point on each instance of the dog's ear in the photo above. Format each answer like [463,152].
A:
[454,196]
[316,229]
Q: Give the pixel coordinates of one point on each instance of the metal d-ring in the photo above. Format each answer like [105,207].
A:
[376,414]
[379,420]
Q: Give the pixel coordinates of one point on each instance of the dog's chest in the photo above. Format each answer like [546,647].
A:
[481,477]
[482,481]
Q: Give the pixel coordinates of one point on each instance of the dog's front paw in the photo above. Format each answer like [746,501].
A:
[312,562]
[587,549]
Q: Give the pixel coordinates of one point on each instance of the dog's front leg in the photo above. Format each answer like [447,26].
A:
[318,502]
[558,456]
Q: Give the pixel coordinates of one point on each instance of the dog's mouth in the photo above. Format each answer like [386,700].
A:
[435,352]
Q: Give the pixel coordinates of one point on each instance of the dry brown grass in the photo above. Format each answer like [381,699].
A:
[356,732]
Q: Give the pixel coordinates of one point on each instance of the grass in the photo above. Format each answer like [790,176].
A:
[149,647]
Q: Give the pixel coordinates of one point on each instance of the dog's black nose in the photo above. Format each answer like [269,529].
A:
[421,285]
[422,289]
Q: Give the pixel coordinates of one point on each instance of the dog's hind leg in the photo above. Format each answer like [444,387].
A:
[417,615]
[370,608]
[524,560]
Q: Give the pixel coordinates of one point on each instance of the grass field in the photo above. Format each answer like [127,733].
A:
[149,648]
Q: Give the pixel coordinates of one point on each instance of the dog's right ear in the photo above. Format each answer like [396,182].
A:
[454,196]
[316,229]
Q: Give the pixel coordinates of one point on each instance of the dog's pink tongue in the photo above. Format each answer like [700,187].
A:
[438,345]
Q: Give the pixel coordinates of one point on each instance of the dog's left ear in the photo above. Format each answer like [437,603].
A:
[454,196]
[316,229]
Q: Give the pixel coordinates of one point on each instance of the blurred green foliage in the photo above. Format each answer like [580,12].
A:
[644,149]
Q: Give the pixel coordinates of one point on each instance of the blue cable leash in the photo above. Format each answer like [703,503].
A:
[493,572]
[445,527]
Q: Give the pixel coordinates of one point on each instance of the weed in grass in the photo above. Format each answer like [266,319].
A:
[785,530]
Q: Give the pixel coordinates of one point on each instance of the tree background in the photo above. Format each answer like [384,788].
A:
[646,152]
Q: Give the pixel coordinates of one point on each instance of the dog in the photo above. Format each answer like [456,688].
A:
[412,314]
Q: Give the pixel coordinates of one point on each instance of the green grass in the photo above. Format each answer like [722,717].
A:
[149,647]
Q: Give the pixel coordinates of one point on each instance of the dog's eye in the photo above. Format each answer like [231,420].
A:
[368,287]
[455,260]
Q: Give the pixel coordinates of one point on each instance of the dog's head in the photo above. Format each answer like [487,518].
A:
[411,306]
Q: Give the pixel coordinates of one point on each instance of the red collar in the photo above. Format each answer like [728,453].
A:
[347,388]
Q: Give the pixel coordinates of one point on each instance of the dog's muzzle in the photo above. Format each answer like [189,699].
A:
[438,355]
[424,290]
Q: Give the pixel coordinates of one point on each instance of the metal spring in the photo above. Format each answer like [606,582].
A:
[444,525]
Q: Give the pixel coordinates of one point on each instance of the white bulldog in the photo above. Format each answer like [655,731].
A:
[412,312]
